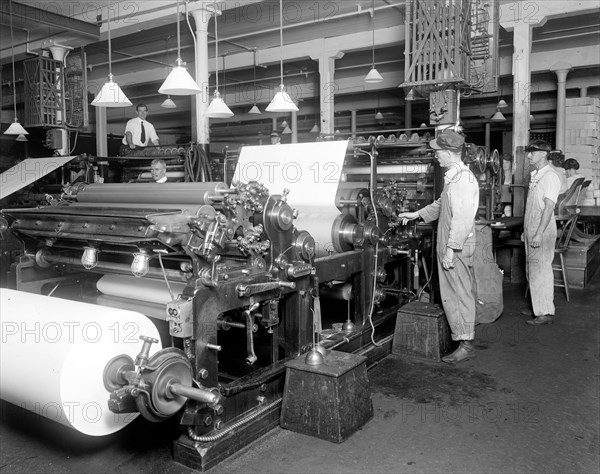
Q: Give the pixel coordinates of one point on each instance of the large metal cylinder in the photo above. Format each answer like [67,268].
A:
[149,193]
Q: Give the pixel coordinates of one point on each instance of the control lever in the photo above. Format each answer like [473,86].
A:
[254,288]
[251,359]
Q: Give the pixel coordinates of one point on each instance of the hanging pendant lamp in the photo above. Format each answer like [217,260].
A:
[179,81]
[254,110]
[282,102]
[315,129]
[411,96]
[217,108]
[373,77]
[111,94]
[498,117]
[15,128]
[168,103]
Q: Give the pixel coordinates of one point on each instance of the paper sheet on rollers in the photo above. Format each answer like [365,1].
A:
[53,355]
[311,171]
[29,171]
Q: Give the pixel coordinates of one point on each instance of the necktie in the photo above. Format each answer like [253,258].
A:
[143,136]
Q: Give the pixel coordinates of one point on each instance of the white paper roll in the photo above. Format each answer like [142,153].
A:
[53,355]
[144,289]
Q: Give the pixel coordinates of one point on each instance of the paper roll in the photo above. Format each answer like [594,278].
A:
[53,355]
[144,289]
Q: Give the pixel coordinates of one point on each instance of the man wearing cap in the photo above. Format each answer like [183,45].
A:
[455,210]
[275,139]
[540,232]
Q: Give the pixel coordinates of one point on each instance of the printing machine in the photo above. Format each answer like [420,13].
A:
[243,291]
[234,287]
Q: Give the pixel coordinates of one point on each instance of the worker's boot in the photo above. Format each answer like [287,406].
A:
[465,351]
[539,320]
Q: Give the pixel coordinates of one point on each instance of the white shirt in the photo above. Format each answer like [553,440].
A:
[544,183]
[134,127]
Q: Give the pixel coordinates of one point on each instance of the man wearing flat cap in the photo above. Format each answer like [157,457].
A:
[275,138]
[540,232]
[455,211]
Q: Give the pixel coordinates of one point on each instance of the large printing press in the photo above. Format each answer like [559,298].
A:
[189,300]
[239,278]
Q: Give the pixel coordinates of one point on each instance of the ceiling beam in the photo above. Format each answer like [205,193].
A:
[26,16]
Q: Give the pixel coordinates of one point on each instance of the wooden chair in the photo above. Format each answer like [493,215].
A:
[578,234]
[562,245]
[566,204]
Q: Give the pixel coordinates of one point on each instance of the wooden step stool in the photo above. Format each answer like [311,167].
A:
[422,331]
[329,401]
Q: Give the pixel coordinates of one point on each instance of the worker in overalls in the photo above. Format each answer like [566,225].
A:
[540,232]
[455,210]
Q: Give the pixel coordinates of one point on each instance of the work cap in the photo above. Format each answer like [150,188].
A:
[539,145]
[448,140]
[274,134]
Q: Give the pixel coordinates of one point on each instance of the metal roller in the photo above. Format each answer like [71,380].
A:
[148,193]
[350,200]
[417,168]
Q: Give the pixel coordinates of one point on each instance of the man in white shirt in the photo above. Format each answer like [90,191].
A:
[540,232]
[455,211]
[138,131]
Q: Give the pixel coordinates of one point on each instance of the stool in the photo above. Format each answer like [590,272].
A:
[329,401]
[422,331]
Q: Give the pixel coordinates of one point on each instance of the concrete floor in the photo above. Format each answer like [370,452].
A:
[529,402]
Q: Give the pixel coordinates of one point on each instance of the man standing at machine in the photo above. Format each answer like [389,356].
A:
[455,210]
[540,232]
[138,131]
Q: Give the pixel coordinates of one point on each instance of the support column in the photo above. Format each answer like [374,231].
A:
[521,83]
[521,109]
[353,123]
[521,21]
[327,89]
[202,15]
[294,127]
[561,70]
[101,139]
[488,139]
[408,114]
[274,124]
